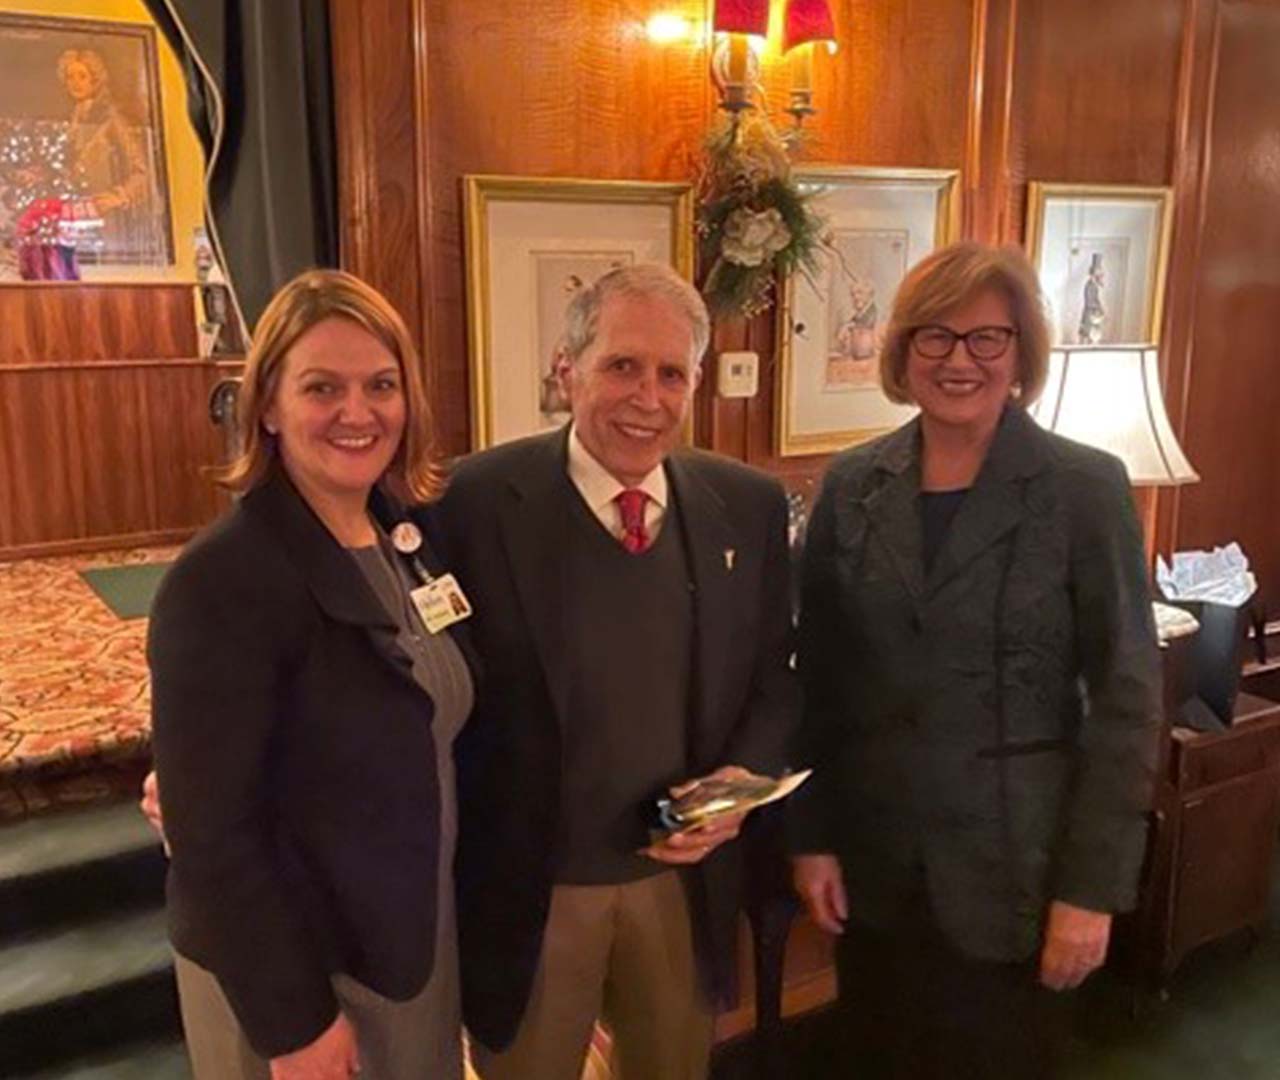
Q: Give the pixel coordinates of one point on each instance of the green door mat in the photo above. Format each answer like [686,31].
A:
[127,590]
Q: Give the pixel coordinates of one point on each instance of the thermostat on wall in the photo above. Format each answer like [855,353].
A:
[738,374]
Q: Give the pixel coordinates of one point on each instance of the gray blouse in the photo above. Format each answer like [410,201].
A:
[423,1034]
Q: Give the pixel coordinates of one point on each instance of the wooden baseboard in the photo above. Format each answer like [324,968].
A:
[798,997]
[90,544]
[808,980]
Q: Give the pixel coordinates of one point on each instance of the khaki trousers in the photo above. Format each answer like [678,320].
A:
[216,1043]
[622,954]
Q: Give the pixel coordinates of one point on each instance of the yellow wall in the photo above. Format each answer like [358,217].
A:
[184,158]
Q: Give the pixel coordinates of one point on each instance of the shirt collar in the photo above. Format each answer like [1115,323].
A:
[598,486]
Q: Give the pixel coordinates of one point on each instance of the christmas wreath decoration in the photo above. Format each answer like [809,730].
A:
[755,225]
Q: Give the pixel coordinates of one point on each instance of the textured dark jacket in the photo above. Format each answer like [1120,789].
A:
[996,720]
[506,540]
[297,768]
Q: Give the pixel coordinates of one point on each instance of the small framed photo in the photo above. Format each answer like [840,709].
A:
[83,185]
[831,326]
[220,332]
[531,244]
[1101,252]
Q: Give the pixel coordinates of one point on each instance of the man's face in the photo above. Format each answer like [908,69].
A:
[630,390]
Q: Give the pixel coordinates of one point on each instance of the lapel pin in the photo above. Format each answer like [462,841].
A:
[406,538]
[729,553]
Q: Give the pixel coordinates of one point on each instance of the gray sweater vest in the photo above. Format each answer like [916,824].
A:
[629,633]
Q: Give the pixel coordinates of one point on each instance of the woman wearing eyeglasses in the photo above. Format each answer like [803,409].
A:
[982,695]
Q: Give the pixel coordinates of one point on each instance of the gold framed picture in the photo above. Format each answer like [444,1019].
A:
[879,222]
[1102,253]
[83,180]
[531,243]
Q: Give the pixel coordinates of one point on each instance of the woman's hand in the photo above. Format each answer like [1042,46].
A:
[331,1057]
[820,883]
[1075,945]
[149,804]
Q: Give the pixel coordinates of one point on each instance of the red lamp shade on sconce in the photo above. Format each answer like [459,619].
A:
[732,66]
[807,20]
[741,17]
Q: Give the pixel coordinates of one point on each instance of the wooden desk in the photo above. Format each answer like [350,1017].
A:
[1217,812]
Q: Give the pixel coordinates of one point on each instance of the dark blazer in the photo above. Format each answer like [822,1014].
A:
[996,720]
[506,541]
[298,770]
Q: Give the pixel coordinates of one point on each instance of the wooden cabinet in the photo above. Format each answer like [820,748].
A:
[1217,813]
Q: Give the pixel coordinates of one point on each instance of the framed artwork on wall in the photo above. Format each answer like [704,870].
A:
[83,185]
[831,327]
[531,244]
[1101,251]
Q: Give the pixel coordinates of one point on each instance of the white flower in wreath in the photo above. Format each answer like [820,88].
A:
[751,237]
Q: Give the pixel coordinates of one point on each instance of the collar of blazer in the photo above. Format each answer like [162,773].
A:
[334,580]
[331,574]
[995,504]
[533,534]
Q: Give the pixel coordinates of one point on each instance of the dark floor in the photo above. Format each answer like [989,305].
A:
[1221,1022]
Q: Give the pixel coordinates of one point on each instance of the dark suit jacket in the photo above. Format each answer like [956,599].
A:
[295,757]
[996,720]
[506,541]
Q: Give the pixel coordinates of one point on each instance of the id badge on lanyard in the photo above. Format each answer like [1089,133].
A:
[439,601]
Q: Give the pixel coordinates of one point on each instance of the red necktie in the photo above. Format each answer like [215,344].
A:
[635,537]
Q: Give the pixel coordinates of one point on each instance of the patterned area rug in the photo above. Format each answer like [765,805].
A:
[73,675]
[28,796]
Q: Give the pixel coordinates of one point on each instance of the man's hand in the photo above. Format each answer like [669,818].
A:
[820,883]
[1075,944]
[695,844]
[332,1056]
[149,804]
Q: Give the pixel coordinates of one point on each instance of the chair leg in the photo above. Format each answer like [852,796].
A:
[770,926]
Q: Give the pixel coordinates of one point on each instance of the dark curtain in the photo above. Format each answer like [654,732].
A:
[260,94]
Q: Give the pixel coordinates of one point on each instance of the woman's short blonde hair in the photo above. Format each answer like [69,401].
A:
[948,279]
[310,298]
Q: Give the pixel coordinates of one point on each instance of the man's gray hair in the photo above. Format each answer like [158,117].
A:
[647,280]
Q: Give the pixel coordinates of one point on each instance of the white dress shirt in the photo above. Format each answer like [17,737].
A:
[599,489]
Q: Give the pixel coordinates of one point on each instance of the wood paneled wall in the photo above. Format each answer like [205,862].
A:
[104,426]
[1223,329]
[1144,92]
[1179,92]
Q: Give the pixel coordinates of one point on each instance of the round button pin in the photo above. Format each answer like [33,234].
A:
[406,538]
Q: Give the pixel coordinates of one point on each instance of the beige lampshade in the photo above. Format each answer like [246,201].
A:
[1110,397]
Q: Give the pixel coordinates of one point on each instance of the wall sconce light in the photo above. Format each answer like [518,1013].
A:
[805,23]
[734,65]
[741,27]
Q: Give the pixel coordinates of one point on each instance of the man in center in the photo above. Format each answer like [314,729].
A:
[633,618]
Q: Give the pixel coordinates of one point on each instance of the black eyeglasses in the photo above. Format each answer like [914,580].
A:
[982,342]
